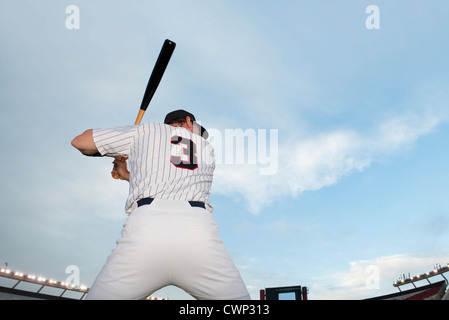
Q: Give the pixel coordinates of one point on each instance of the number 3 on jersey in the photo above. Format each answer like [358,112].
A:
[183,153]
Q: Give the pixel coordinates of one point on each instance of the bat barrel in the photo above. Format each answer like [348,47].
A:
[158,71]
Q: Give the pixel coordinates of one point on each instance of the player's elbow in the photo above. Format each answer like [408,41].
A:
[78,142]
[85,142]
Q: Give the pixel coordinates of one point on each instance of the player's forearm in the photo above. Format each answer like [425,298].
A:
[85,143]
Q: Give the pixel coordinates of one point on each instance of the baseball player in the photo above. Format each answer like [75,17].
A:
[170,236]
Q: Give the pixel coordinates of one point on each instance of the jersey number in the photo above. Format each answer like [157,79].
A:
[187,159]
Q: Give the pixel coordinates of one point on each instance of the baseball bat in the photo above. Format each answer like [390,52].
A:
[158,71]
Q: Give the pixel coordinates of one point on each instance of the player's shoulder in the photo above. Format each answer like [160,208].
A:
[172,131]
[153,126]
[164,130]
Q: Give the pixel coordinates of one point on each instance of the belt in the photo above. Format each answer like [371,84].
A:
[146,201]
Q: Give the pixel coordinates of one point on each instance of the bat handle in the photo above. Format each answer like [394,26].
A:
[139,116]
[115,174]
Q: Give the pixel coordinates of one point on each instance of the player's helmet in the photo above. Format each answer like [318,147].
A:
[179,115]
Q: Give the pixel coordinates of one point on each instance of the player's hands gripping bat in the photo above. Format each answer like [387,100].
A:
[155,78]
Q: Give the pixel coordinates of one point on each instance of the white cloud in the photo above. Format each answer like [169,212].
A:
[372,278]
[312,163]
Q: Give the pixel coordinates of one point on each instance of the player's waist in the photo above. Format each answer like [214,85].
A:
[149,200]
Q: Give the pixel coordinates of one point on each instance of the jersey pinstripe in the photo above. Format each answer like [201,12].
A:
[164,162]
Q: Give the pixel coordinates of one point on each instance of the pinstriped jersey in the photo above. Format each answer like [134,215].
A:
[164,162]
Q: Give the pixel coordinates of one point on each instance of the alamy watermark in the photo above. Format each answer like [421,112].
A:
[74,275]
[372,281]
[250,146]
[372,22]
[72,22]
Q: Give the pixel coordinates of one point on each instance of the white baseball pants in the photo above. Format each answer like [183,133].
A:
[168,242]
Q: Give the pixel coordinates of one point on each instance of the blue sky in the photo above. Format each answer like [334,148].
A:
[361,117]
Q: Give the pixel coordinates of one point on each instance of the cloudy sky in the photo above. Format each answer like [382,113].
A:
[341,184]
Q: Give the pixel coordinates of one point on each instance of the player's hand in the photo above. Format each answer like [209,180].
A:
[120,168]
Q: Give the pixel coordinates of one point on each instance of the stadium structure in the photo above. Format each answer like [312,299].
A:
[16,285]
[431,291]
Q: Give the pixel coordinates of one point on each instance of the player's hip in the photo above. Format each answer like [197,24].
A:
[173,216]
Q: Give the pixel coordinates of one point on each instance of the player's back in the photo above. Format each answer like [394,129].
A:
[169,162]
